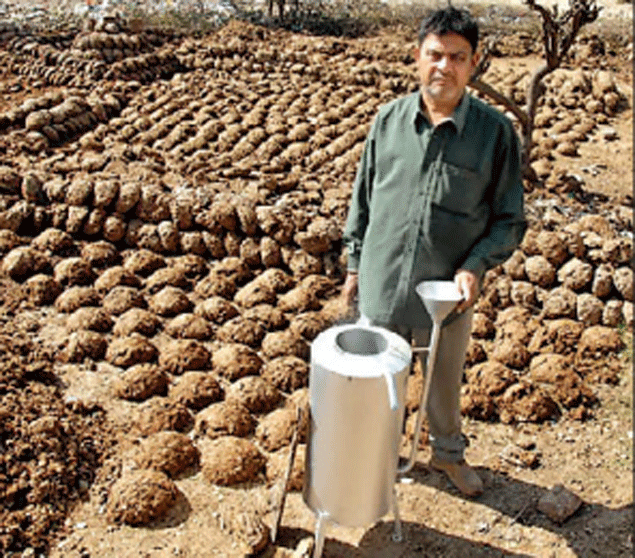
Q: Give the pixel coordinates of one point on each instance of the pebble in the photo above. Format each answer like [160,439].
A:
[559,503]
[483,527]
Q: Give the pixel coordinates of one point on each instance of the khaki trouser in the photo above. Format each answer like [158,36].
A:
[444,408]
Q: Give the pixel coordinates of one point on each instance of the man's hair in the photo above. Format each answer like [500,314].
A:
[450,20]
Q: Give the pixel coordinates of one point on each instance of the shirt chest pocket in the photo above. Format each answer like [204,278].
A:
[460,189]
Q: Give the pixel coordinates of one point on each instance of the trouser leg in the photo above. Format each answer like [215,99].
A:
[443,408]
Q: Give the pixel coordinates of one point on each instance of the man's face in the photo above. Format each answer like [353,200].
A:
[445,64]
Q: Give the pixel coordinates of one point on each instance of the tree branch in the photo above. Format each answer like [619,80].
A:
[501,99]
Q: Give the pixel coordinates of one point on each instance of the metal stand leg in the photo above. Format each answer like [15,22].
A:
[396,535]
[320,526]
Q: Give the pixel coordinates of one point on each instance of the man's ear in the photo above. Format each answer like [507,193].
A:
[417,52]
[476,58]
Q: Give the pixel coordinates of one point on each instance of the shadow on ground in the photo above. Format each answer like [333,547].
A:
[594,530]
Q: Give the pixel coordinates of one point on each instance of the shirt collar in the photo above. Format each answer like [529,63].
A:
[457,118]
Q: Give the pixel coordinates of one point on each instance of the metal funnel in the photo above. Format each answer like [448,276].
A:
[439,298]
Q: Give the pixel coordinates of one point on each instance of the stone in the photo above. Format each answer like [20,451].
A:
[490,378]
[549,368]
[525,402]
[270,255]
[299,299]
[143,262]
[169,236]
[268,316]
[308,325]
[250,252]
[511,353]
[559,503]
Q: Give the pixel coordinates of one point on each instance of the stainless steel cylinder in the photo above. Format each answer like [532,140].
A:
[357,388]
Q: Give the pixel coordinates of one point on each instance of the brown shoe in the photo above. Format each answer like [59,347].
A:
[461,475]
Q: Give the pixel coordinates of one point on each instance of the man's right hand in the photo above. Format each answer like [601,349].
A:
[349,290]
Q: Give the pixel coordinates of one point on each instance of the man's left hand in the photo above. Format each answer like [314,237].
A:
[467,283]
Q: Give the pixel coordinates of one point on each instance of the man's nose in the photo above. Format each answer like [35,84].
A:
[443,63]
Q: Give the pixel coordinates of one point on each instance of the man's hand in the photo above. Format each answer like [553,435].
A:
[467,283]
[349,290]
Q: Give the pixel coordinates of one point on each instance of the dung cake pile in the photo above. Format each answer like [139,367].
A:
[178,205]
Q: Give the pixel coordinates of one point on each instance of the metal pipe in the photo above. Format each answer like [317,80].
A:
[430,363]
[397,535]
[320,527]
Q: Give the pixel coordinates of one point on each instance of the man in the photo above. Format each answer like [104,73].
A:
[438,195]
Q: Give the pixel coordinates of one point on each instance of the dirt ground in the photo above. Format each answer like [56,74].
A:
[69,439]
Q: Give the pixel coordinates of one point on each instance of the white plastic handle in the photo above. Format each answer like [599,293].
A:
[391,382]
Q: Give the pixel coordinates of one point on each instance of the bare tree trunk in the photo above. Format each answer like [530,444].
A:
[533,95]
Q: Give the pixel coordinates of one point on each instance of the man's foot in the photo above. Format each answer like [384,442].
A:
[461,475]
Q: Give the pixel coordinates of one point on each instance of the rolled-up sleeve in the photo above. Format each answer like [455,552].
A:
[507,224]
[358,213]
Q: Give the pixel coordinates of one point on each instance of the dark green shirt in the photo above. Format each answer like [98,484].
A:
[428,201]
